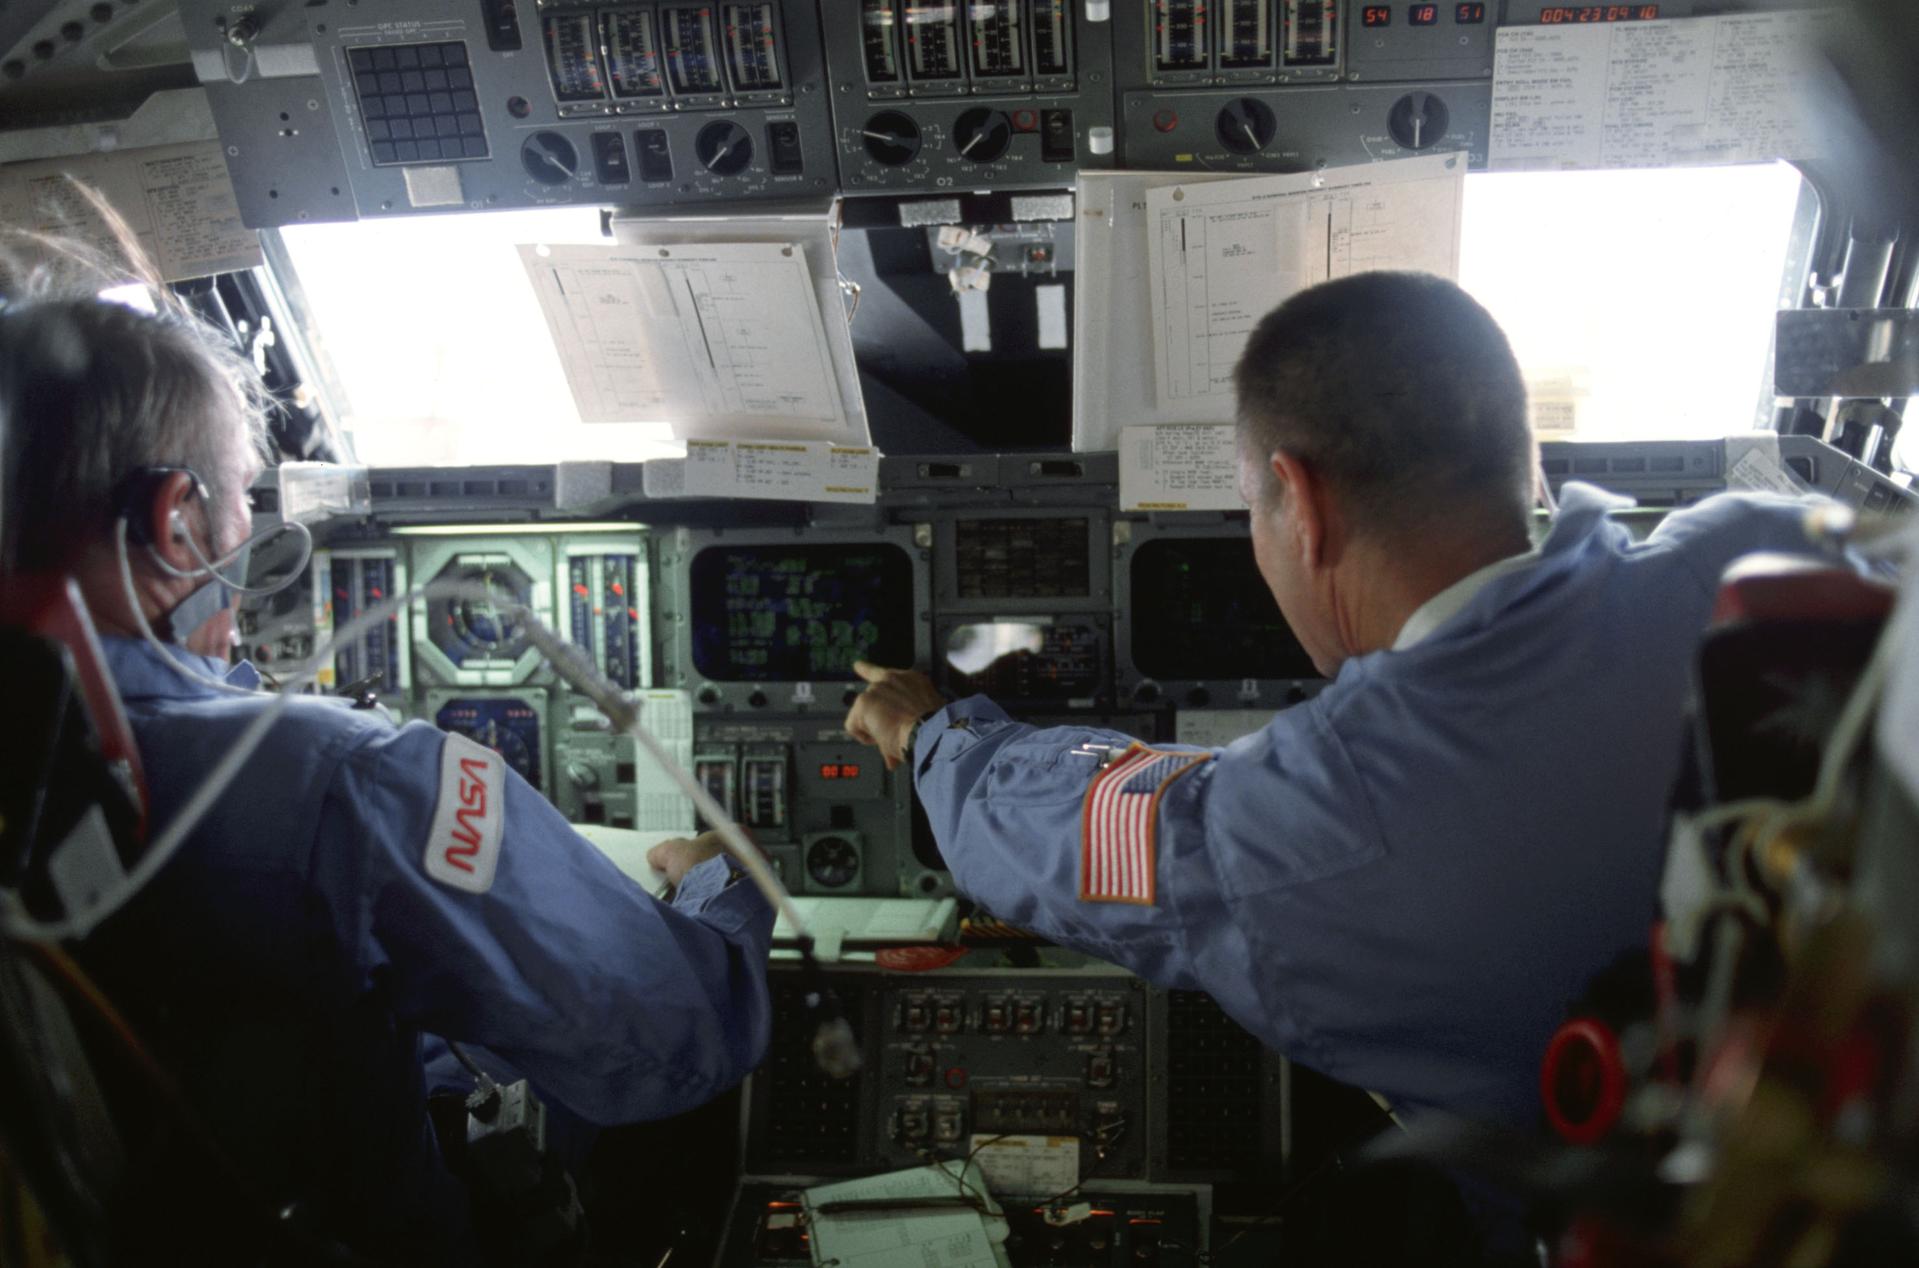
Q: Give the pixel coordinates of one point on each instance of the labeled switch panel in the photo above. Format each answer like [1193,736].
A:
[527,106]
[1144,1084]
[933,97]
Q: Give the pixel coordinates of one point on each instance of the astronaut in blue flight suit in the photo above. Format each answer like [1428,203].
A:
[361,885]
[1404,881]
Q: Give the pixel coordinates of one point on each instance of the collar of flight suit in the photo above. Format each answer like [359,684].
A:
[142,673]
[1581,509]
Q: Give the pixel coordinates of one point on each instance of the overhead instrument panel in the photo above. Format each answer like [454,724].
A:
[1198,627]
[1290,85]
[963,96]
[433,108]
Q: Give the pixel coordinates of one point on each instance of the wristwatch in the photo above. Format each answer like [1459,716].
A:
[912,736]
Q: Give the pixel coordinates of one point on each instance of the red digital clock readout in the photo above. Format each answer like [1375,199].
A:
[1469,14]
[1423,15]
[1554,15]
[1376,15]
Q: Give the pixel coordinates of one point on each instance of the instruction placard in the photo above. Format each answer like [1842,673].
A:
[799,471]
[1179,467]
[714,338]
[1225,254]
[1028,1165]
[1666,93]
[177,200]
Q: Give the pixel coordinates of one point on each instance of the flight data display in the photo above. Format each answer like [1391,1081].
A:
[800,613]
[1022,558]
[933,41]
[479,626]
[751,50]
[1202,611]
[1245,34]
[997,43]
[360,584]
[1052,42]
[632,54]
[1581,13]
[1035,658]
[573,57]
[506,724]
[879,42]
[1179,35]
[692,50]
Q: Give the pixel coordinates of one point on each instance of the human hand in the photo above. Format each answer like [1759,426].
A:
[885,712]
[675,858]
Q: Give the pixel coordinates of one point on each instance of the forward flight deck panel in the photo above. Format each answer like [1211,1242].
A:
[759,630]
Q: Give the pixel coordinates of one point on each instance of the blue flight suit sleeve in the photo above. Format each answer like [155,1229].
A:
[1005,801]
[619,1006]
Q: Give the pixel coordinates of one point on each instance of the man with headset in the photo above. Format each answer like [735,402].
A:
[360,886]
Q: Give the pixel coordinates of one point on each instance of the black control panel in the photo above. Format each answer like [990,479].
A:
[1289,85]
[421,106]
[1145,1085]
[958,96]
[394,107]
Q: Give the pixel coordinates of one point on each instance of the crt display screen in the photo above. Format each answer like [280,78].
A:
[1201,610]
[800,613]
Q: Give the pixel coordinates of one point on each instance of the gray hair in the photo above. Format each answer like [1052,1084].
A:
[91,391]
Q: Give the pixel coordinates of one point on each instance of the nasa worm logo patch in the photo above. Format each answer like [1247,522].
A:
[463,846]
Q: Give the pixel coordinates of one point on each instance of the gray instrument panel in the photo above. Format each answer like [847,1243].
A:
[930,97]
[1014,576]
[420,106]
[395,107]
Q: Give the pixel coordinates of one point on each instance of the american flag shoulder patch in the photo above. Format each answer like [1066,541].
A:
[1120,823]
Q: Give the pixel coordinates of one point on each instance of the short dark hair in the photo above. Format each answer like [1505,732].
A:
[1401,392]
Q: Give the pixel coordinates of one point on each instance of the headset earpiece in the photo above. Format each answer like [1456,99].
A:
[139,494]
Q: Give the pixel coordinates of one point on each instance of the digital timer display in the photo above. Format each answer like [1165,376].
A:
[1376,15]
[1563,13]
[1469,14]
[1423,15]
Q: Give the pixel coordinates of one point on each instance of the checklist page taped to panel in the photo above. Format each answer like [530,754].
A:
[719,339]
[1674,92]
[1224,254]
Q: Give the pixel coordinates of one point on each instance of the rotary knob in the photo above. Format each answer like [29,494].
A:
[891,138]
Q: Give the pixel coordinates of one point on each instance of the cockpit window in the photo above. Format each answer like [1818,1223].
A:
[434,345]
[1640,303]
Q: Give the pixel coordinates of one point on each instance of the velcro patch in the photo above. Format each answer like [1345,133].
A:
[1121,821]
[463,846]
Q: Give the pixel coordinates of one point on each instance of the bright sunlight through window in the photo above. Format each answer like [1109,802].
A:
[1640,303]
[437,343]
